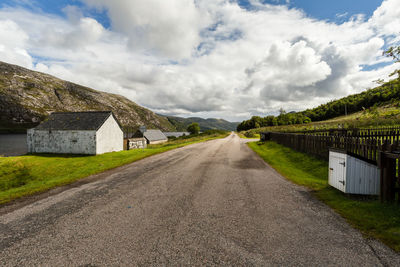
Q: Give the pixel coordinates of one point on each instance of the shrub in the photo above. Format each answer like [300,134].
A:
[193,128]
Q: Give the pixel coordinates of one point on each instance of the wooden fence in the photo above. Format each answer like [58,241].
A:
[381,147]
[318,145]
[364,142]
[382,133]
[390,179]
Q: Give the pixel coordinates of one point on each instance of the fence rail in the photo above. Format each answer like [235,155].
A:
[381,147]
[383,132]
[363,142]
[318,145]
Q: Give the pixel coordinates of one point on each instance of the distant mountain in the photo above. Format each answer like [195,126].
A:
[28,97]
[181,124]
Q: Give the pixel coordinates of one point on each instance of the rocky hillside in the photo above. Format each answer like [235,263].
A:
[28,97]
[181,124]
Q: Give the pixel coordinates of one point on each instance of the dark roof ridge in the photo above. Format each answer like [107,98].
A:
[85,120]
[90,111]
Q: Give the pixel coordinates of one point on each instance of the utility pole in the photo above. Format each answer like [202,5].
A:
[345,109]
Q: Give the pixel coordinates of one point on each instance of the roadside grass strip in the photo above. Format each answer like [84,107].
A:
[368,214]
[31,174]
[251,135]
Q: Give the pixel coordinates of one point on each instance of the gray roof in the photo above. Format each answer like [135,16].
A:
[154,135]
[88,120]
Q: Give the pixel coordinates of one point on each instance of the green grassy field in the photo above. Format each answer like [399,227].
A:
[30,174]
[374,219]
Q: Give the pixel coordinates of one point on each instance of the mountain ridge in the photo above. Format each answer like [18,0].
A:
[28,97]
[181,124]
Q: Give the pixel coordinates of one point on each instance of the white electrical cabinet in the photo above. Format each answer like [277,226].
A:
[353,175]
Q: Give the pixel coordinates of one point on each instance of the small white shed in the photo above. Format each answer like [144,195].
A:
[90,132]
[352,174]
[153,136]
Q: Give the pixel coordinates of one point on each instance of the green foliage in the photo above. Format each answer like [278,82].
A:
[355,103]
[204,134]
[373,218]
[193,128]
[386,92]
[368,99]
[394,52]
[251,135]
[283,119]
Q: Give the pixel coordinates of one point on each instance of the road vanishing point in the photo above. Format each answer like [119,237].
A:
[211,203]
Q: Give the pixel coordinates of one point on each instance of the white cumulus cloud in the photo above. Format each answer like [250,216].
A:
[207,58]
[168,28]
[12,44]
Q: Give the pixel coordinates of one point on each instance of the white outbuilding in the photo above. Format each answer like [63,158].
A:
[353,174]
[152,136]
[90,132]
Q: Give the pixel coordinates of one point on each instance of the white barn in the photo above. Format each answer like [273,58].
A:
[91,132]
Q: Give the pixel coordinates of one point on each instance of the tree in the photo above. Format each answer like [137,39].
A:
[394,52]
[379,81]
[193,128]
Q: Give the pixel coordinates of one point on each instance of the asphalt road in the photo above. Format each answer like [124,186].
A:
[213,203]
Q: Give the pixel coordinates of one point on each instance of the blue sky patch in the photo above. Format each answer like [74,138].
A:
[375,66]
[57,8]
[336,11]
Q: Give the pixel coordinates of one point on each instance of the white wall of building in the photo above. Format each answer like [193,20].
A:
[109,137]
[64,142]
[135,143]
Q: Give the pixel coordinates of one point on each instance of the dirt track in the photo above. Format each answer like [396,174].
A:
[209,203]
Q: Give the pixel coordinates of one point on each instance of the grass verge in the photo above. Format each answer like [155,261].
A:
[30,174]
[372,218]
[248,135]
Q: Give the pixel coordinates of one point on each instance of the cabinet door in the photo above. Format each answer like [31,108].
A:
[337,171]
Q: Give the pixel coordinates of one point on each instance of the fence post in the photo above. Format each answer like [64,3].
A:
[383,172]
[388,174]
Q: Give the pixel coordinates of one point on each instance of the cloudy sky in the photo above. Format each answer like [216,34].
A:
[210,58]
